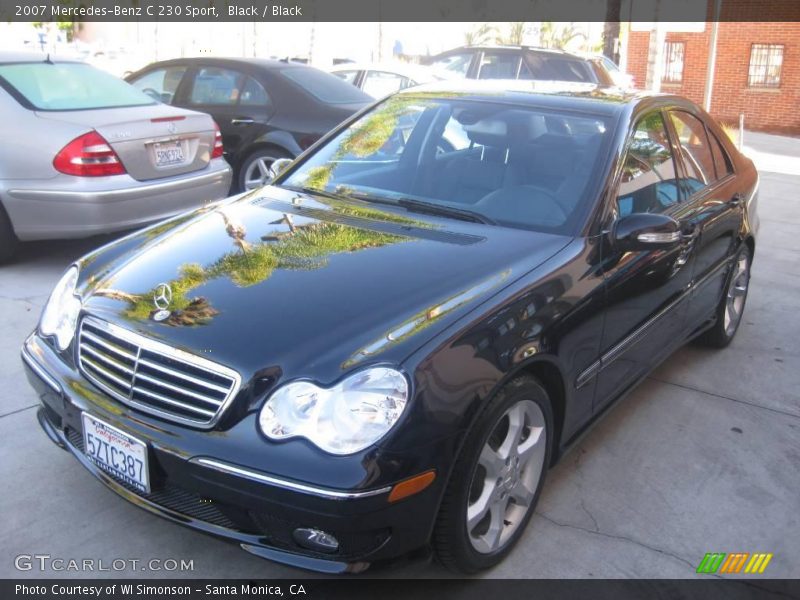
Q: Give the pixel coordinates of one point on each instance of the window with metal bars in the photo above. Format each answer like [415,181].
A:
[766,61]
[672,71]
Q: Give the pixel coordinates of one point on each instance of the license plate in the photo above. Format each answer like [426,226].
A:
[168,153]
[116,453]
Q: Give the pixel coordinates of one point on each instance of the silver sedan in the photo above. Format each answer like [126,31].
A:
[82,153]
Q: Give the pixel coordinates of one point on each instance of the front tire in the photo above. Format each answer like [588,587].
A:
[731,305]
[497,479]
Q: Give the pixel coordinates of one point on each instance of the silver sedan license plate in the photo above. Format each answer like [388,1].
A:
[115,452]
[168,153]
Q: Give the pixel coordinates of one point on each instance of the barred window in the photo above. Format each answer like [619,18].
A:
[672,71]
[766,61]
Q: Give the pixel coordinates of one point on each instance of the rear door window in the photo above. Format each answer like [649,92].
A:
[160,84]
[253,93]
[216,86]
[695,151]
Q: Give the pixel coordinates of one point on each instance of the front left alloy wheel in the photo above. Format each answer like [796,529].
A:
[497,479]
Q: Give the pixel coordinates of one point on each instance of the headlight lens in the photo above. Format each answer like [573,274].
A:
[343,419]
[60,316]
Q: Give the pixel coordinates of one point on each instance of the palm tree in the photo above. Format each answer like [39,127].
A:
[479,35]
[515,35]
[558,35]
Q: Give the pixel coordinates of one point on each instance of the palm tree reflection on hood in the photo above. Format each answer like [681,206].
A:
[299,247]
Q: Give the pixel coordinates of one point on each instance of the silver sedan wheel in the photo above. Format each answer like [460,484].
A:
[506,477]
[737,292]
[258,172]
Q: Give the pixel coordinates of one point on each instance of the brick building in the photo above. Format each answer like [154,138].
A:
[757,69]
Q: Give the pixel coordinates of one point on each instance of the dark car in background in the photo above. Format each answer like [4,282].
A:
[390,345]
[518,62]
[265,109]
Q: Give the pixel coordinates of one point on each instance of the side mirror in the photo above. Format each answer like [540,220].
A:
[646,231]
[278,166]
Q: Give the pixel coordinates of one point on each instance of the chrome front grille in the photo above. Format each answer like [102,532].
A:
[154,377]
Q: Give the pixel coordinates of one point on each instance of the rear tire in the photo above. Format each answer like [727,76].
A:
[8,239]
[497,479]
[731,305]
[253,170]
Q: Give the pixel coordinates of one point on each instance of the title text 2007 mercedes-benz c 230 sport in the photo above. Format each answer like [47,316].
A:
[387,348]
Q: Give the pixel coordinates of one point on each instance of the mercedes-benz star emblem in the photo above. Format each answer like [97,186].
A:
[171,127]
[162,298]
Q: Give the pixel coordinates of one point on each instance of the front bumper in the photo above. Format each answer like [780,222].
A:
[257,510]
[73,207]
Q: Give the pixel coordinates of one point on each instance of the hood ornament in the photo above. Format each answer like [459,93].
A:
[162,298]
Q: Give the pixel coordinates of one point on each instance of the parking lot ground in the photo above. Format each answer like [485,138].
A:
[704,456]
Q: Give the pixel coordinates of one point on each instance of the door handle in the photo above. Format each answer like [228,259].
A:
[242,121]
[737,200]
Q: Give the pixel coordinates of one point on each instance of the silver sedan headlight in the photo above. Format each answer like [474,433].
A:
[60,315]
[343,419]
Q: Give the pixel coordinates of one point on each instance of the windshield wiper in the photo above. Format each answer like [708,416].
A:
[426,207]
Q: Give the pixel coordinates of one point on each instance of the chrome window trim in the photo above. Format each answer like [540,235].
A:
[230,469]
[145,343]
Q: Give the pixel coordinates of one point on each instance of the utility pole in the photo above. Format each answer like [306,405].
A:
[655,52]
[712,57]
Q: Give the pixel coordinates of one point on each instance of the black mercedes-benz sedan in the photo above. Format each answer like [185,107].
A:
[387,348]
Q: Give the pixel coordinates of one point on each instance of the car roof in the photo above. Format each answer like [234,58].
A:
[401,68]
[588,97]
[263,63]
[556,51]
[31,57]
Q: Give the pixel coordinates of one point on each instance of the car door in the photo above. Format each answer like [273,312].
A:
[716,210]
[645,290]
[238,102]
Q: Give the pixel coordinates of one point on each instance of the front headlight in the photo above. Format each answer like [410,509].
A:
[60,316]
[343,419]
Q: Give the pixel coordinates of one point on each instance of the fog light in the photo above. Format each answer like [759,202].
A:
[314,539]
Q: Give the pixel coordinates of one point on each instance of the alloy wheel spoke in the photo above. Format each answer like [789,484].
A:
[531,446]
[477,510]
[516,426]
[521,493]
[491,461]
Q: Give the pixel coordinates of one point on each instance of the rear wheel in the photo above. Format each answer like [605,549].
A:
[731,306]
[497,480]
[8,239]
[255,170]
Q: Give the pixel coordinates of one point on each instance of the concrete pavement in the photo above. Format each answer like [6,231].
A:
[703,457]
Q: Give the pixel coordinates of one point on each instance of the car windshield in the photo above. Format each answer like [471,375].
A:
[325,87]
[510,165]
[70,86]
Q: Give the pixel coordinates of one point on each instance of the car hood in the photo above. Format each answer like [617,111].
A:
[281,285]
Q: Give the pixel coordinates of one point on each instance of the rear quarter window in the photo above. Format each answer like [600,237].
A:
[69,86]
